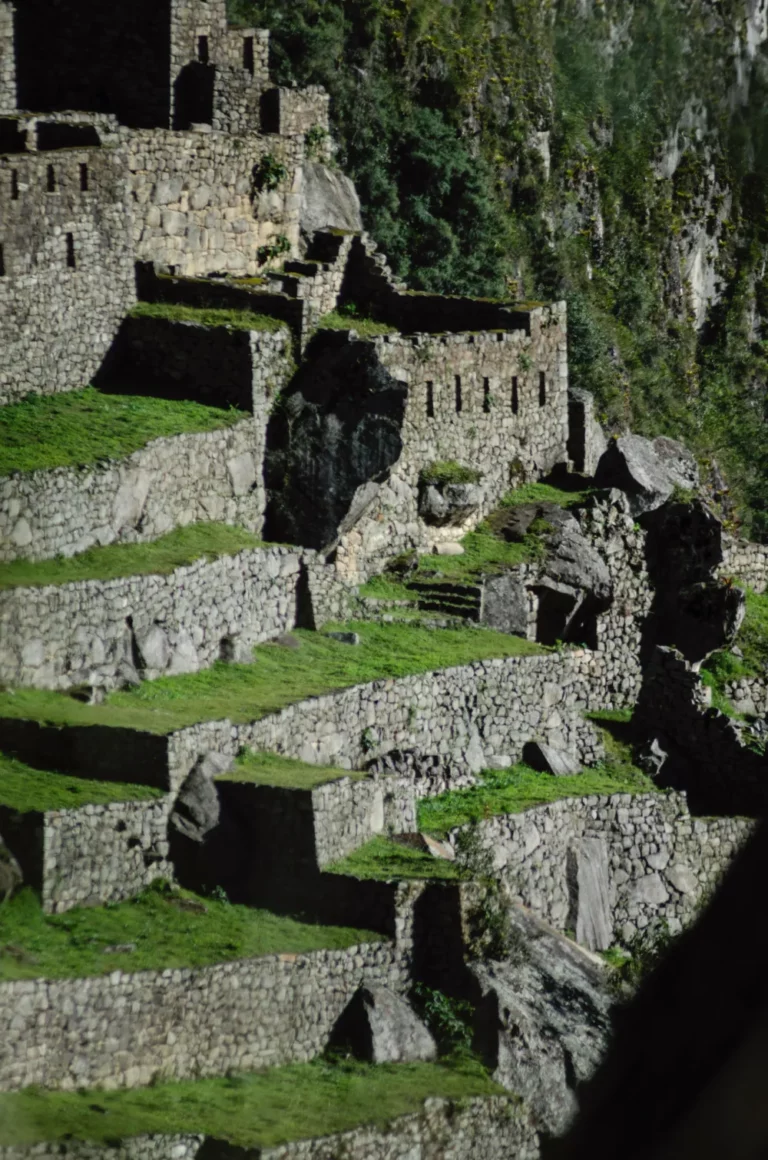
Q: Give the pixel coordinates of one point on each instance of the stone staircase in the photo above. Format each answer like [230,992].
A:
[463,601]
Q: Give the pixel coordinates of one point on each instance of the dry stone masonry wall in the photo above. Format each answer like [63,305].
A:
[7,60]
[746,562]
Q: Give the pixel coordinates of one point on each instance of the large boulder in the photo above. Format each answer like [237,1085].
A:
[704,618]
[505,603]
[328,201]
[380,1027]
[647,470]
[547,759]
[450,504]
[196,811]
[543,1019]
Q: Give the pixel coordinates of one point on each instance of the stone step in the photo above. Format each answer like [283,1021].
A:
[443,588]
[464,611]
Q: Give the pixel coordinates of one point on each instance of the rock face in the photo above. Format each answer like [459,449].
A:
[380,1027]
[547,759]
[647,470]
[505,603]
[328,201]
[450,504]
[590,893]
[586,440]
[543,1020]
[11,877]
[196,812]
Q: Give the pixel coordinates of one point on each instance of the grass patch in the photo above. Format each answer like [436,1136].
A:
[286,772]
[519,788]
[26,790]
[365,327]
[160,557]
[207,316]
[752,639]
[484,554]
[449,471]
[386,588]
[167,927]
[388,861]
[250,1111]
[83,427]
[545,493]
[279,676]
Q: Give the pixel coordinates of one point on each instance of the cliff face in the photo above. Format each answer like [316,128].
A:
[607,152]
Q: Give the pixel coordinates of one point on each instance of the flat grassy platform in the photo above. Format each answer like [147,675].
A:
[28,790]
[365,327]
[263,1110]
[168,928]
[82,427]
[206,316]
[159,557]
[388,861]
[279,676]
[284,772]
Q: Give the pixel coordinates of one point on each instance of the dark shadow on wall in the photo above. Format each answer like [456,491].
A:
[193,95]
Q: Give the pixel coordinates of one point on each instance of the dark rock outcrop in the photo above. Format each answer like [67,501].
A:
[11,877]
[196,811]
[380,1027]
[449,504]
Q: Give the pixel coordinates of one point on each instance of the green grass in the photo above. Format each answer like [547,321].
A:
[25,789]
[169,928]
[484,554]
[544,493]
[449,471]
[83,427]
[286,772]
[251,1111]
[388,861]
[180,547]
[207,316]
[387,588]
[511,791]
[365,327]
[278,677]
[752,639]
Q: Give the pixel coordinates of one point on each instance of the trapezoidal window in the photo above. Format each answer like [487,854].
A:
[459,398]
[14,185]
[542,389]
[249,63]
[515,395]
[2,260]
[430,400]
[487,396]
[83,178]
[50,179]
[202,50]
[70,241]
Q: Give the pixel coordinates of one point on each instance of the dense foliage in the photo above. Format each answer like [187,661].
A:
[656,123]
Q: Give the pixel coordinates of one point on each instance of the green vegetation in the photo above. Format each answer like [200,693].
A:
[544,493]
[448,471]
[166,927]
[389,861]
[752,640]
[262,1110]
[83,427]
[273,769]
[159,557]
[25,789]
[511,791]
[386,587]
[279,676]
[207,316]
[365,327]
[484,554]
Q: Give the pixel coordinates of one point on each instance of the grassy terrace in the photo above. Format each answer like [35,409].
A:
[284,772]
[26,790]
[280,675]
[752,639]
[263,1110]
[83,427]
[160,557]
[365,327]
[206,316]
[387,861]
[165,927]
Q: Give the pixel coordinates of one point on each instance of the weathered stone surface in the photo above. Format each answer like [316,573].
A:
[544,1018]
[591,893]
[154,649]
[380,1027]
[547,759]
[328,201]
[448,548]
[196,811]
[647,470]
[450,504]
[352,638]
[505,603]
[586,439]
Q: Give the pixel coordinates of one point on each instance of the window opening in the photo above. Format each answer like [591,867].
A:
[202,49]
[430,400]
[14,185]
[486,395]
[51,179]
[459,399]
[70,251]
[2,260]
[84,178]
[248,58]
[542,389]
[515,396]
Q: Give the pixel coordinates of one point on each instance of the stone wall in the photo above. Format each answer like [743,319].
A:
[659,862]
[215,475]
[749,695]
[7,59]
[495,1128]
[746,562]
[498,401]
[66,265]
[294,112]
[705,754]
[466,714]
[348,813]
[197,205]
[215,365]
[129,1030]
[89,631]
